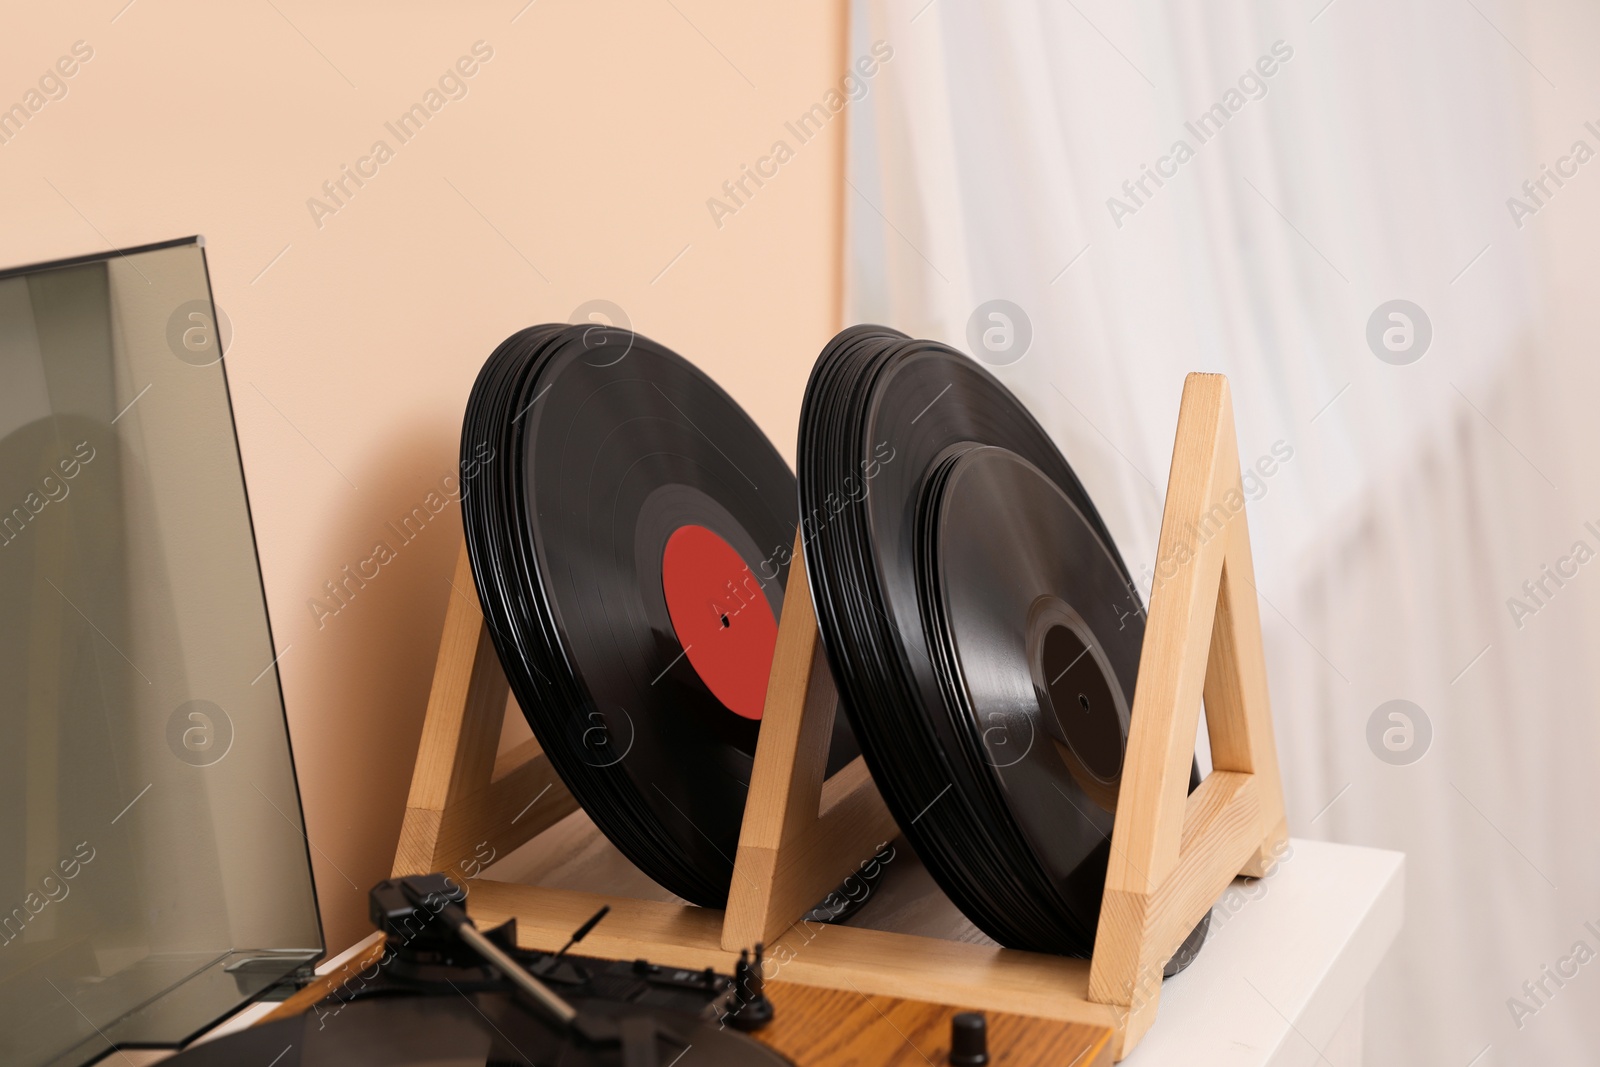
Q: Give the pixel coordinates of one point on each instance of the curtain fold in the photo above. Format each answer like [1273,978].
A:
[1007,153]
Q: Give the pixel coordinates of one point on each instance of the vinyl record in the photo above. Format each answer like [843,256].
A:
[983,631]
[629,530]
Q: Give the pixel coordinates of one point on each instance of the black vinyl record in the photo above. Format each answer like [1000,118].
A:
[982,629]
[629,530]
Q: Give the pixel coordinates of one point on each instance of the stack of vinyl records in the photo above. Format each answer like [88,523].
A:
[629,529]
[982,630]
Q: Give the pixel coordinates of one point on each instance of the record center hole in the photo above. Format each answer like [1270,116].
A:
[1073,676]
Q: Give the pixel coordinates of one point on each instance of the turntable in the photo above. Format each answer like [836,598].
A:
[435,990]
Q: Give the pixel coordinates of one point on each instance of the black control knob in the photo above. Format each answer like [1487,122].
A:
[754,1010]
[969,1040]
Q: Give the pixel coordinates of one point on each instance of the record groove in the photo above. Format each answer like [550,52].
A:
[974,561]
[596,462]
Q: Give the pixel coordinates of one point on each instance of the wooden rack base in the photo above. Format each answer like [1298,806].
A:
[1173,853]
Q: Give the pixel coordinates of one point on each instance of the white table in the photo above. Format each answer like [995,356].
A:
[1281,979]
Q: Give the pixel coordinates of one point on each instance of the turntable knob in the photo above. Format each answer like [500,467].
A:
[969,1040]
[754,1010]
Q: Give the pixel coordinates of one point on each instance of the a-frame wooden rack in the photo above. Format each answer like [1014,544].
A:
[1172,853]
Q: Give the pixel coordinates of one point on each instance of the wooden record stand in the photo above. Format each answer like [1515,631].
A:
[1172,853]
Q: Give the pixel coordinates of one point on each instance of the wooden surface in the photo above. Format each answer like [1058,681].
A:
[836,1027]
[818,1027]
[1172,852]
[323,986]
[851,958]
[801,837]
[844,1028]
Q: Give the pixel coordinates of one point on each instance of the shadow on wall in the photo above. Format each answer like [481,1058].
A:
[365,639]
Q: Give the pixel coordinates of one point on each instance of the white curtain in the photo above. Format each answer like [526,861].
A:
[1372,164]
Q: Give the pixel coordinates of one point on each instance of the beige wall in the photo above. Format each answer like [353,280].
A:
[584,151]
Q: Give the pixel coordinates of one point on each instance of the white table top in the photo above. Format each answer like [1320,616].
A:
[1287,960]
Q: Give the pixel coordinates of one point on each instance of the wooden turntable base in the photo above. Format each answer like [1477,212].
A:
[841,1028]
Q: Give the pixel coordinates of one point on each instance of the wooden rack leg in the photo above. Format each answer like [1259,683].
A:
[1173,854]
[464,804]
[801,836]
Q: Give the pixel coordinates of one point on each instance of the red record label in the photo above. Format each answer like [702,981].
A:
[721,617]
